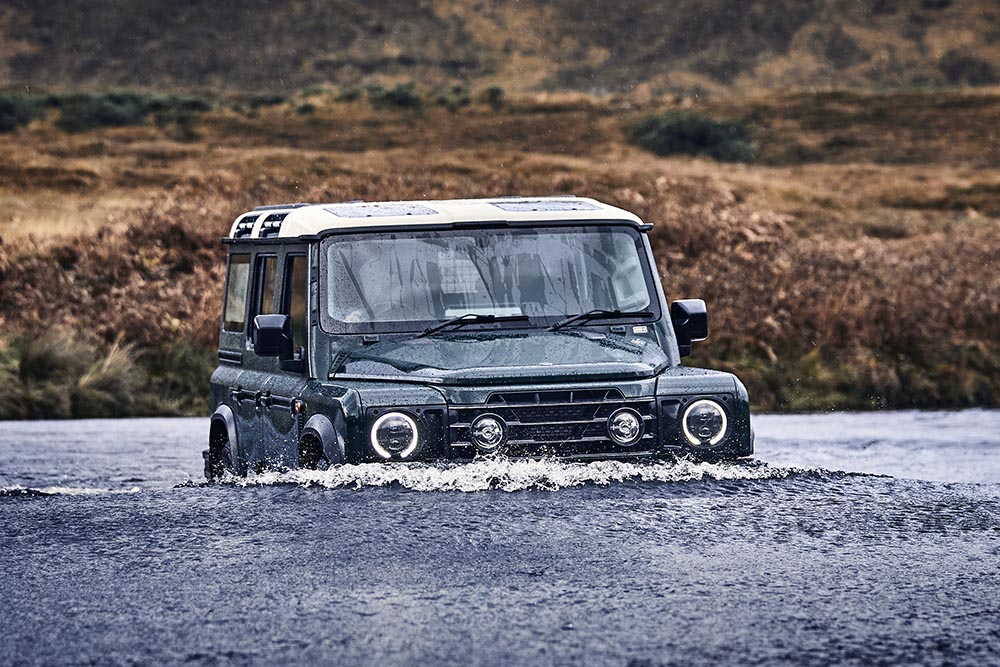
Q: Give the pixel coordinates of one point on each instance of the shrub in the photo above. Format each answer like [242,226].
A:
[180,104]
[82,112]
[17,110]
[267,101]
[693,133]
[177,378]
[455,98]
[349,94]
[404,96]
[494,97]
[961,69]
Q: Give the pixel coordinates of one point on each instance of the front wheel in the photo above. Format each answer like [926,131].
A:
[311,454]
[219,459]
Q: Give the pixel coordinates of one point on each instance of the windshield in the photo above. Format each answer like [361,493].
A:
[405,281]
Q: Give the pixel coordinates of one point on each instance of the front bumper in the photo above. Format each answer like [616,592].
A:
[570,424]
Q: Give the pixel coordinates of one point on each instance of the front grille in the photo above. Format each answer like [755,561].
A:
[555,423]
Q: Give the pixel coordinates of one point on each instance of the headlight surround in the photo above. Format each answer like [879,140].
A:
[489,431]
[705,422]
[625,426]
[394,433]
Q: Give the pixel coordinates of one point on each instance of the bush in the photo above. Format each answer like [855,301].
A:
[455,98]
[82,112]
[494,97]
[404,96]
[17,110]
[259,101]
[177,378]
[349,94]
[693,133]
[961,69]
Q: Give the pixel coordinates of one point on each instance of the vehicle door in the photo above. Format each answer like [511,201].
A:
[254,385]
[228,380]
[283,421]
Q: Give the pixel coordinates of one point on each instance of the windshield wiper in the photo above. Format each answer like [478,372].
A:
[471,318]
[599,314]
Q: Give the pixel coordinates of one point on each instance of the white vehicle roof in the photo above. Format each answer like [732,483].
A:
[293,220]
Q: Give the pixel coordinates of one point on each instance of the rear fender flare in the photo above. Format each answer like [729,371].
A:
[224,418]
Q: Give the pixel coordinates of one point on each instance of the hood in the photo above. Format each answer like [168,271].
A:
[491,358]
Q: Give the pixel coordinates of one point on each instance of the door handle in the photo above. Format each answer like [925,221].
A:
[239,395]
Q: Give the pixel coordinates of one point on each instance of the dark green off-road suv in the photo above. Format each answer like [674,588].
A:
[413,331]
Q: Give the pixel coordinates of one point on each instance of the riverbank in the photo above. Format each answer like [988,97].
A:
[854,264]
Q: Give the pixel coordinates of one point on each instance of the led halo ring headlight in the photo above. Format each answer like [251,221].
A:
[705,422]
[394,433]
[625,426]
[488,432]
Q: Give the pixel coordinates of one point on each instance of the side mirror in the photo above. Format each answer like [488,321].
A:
[690,318]
[272,336]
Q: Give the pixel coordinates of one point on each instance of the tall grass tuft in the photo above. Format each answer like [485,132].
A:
[108,387]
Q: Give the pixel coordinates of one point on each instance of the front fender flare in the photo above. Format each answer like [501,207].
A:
[330,433]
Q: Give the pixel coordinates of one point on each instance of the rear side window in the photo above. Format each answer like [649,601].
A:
[296,287]
[237,282]
[266,269]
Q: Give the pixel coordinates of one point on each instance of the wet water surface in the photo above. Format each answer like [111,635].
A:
[851,539]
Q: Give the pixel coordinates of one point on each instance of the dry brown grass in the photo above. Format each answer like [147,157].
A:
[860,283]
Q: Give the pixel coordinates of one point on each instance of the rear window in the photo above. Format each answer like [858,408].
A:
[237,283]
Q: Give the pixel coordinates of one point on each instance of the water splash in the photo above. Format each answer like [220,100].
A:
[511,475]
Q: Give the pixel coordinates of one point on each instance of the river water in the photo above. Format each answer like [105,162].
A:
[852,539]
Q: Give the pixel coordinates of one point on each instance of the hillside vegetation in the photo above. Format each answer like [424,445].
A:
[855,262]
[637,46]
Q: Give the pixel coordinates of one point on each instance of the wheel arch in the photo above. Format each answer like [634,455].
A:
[223,423]
[330,433]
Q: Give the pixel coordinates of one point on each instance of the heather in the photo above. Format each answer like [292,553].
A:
[860,275]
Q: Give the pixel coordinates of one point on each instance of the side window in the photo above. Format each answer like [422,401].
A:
[265,277]
[237,282]
[295,299]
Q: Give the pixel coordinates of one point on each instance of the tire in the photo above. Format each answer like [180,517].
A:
[311,454]
[220,460]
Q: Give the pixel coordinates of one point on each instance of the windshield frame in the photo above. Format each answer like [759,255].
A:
[335,327]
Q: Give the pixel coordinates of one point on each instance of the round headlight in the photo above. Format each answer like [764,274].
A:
[394,433]
[704,422]
[625,427]
[488,433]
